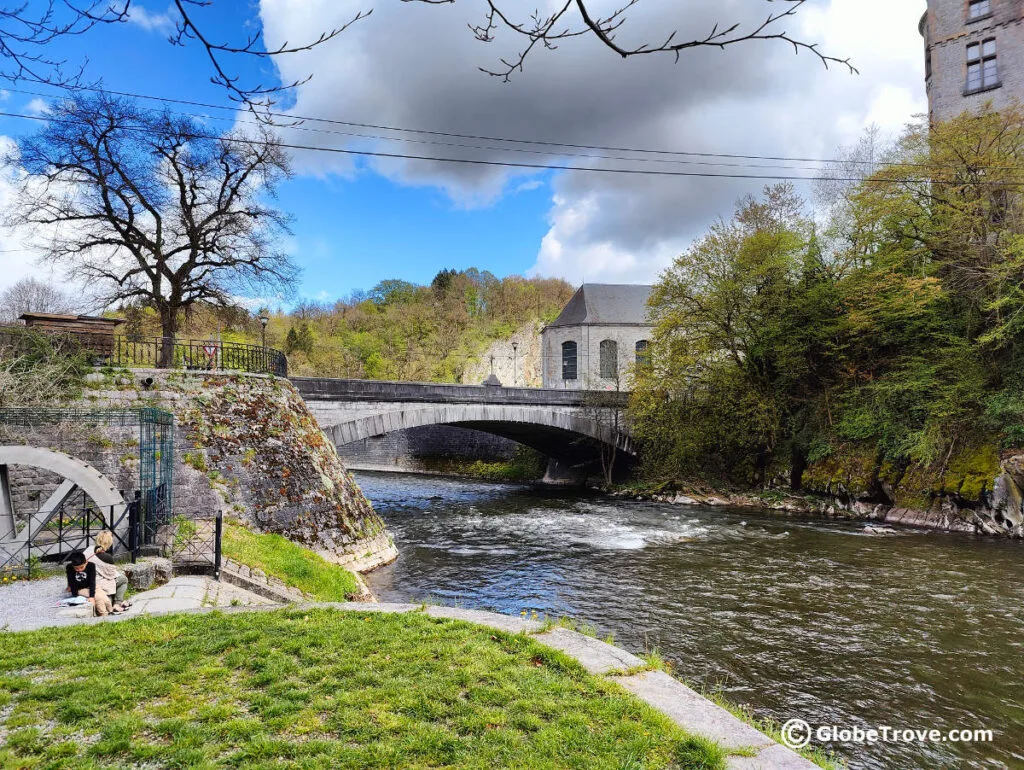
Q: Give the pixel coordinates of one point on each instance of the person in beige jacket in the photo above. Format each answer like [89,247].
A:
[110,581]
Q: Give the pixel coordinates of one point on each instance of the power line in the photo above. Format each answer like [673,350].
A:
[488,148]
[449,134]
[513,164]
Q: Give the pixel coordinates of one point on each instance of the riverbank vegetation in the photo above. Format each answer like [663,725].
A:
[290,563]
[526,464]
[319,688]
[878,343]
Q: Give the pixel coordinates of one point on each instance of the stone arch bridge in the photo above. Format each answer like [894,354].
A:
[567,426]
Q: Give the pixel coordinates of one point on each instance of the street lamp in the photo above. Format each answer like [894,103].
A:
[515,378]
[264,320]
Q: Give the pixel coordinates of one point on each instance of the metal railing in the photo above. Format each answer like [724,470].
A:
[157,352]
[55,535]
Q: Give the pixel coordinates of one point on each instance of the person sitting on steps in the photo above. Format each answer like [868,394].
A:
[109,578]
[81,575]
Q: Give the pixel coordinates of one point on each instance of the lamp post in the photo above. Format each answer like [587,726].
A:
[264,320]
[515,377]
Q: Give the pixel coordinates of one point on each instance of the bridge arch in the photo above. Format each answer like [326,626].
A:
[555,432]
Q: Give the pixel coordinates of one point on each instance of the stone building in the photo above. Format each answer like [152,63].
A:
[598,337]
[974,53]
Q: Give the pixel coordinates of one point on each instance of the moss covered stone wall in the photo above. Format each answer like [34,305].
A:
[974,488]
[248,445]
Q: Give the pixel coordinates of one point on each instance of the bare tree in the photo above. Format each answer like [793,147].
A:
[26,29]
[148,207]
[30,295]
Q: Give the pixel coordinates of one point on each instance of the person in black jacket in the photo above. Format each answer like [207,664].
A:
[81,577]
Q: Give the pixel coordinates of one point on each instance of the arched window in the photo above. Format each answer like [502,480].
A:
[609,359]
[643,358]
[568,360]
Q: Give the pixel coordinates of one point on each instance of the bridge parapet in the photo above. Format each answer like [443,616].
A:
[322,389]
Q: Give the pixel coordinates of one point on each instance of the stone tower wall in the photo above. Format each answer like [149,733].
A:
[947,32]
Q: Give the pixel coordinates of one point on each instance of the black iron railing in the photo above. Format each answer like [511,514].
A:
[72,529]
[156,352]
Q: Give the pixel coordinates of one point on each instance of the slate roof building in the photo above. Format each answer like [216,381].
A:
[598,336]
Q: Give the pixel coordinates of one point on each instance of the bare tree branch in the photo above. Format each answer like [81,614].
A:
[25,30]
[560,25]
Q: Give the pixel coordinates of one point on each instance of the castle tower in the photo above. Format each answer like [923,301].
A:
[974,53]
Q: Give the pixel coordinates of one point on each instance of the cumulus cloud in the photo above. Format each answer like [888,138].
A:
[416,66]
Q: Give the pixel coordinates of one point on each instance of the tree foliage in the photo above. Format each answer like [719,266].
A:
[895,323]
[396,330]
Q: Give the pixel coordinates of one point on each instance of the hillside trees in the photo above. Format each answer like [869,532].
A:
[403,331]
[900,332]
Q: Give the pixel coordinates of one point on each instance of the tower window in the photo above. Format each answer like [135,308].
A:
[568,360]
[982,66]
[609,359]
[643,356]
[978,9]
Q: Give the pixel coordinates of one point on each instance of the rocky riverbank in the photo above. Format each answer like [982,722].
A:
[978,492]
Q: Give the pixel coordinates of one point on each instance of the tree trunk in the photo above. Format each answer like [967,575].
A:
[169,331]
[796,470]
[761,469]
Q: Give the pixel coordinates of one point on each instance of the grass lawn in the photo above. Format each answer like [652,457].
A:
[316,689]
[289,562]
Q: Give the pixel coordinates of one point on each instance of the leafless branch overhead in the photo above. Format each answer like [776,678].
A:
[27,28]
[572,18]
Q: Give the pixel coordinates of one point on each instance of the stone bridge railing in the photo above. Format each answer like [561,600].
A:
[434,393]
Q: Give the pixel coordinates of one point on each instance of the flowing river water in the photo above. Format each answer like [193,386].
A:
[793,618]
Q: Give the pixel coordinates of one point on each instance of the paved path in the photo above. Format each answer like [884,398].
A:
[31,604]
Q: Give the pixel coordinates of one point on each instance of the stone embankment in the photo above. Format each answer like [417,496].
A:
[986,498]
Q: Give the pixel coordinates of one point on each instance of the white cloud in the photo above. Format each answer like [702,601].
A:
[151,22]
[415,65]
[37,107]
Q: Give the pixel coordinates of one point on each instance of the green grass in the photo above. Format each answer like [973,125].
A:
[314,689]
[289,562]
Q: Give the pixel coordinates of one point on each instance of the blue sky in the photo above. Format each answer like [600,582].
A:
[416,66]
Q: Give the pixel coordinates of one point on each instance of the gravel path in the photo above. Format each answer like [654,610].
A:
[30,604]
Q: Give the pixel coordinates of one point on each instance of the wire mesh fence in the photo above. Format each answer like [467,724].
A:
[132,448]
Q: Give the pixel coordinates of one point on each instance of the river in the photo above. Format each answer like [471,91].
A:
[793,618]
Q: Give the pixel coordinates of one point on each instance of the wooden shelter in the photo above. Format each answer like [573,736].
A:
[93,333]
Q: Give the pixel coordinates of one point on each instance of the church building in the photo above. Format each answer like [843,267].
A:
[595,341]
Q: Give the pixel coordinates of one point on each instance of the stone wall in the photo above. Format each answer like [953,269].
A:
[110,449]
[947,32]
[588,340]
[245,445]
[30,488]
